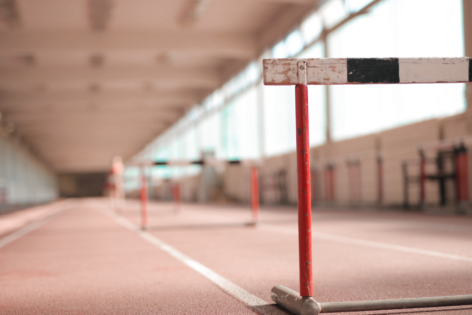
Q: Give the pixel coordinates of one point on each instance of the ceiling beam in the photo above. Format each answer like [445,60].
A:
[77,153]
[95,116]
[193,11]
[89,127]
[47,135]
[173,111]
[148,132]
[26,124]
[121,142]
[215,44]
[106,100]
[95,143]
[99,13]
[77,127]
[158,74]
[9,13]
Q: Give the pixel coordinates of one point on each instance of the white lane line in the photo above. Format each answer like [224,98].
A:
[28,228]
[232,289]
[355,241]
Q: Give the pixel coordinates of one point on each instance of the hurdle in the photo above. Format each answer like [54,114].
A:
[456,150]
[176,188]
[177,196]
[330,71]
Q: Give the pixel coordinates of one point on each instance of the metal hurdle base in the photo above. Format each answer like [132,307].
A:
[292,301]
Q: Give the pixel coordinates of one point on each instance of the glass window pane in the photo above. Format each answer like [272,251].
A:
[399,32]
[311,28]
[294,43]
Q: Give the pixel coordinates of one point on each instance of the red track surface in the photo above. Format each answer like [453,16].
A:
[83,262]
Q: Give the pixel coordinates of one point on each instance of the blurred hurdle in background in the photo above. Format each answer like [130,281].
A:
[448,167]
[301,72]
[176,189]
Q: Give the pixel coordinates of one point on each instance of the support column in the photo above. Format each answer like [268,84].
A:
[260,110]
[327,93]
[260,118]
[467,18]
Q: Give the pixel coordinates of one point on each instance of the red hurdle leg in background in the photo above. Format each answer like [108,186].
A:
[380,180]
[422,179]
[254,194]
[144,213]
[331,182]
[177,200]
[462,176]
[304,191]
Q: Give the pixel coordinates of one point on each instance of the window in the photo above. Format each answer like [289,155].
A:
[400,32]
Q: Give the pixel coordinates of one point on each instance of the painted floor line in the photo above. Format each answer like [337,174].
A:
[355,241]
[232,289]
[29,228]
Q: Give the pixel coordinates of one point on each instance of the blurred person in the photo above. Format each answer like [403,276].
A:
[116,186]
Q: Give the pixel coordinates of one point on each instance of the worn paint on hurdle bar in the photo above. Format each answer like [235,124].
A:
[329,71]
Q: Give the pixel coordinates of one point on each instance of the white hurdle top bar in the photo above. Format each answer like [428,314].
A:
[329,71]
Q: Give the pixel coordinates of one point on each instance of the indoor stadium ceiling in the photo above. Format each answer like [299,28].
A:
[84,80]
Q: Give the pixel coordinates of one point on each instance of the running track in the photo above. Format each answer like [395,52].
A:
[80,257]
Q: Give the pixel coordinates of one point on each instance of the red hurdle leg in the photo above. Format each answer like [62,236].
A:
[422,179]
[331,183]
[144,213]
[304,190]
[177,200]
[254,195]
[462,175]
[380,180]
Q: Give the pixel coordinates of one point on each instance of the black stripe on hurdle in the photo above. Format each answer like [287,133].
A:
[470,69]
[159,163]
[373,70]
[198,162]
[234,162]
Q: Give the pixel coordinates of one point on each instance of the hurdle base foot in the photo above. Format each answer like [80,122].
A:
[292,301]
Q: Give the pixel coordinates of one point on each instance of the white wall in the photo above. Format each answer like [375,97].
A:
[23,179]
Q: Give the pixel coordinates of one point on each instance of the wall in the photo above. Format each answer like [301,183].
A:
[23,179]
[393,146]
[82,185]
